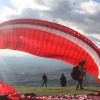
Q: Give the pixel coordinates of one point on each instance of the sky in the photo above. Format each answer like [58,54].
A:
[81,15]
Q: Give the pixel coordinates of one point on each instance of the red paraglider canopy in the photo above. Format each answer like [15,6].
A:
[6,88]
[50,40]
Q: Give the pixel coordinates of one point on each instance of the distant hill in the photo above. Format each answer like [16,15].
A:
[28,69]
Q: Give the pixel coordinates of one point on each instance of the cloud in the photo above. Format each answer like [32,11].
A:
[80,15]
[94,39]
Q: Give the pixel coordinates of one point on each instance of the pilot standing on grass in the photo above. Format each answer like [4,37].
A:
[82,73]
[44,77]
[63,80]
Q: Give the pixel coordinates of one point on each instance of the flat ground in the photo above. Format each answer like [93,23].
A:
[51,91]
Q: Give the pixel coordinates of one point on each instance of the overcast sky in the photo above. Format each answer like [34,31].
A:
[80,15]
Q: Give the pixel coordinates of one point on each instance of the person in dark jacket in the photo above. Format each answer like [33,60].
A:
[44,77]
[63,80]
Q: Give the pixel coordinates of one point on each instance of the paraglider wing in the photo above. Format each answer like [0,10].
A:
[50,40]
[6,88]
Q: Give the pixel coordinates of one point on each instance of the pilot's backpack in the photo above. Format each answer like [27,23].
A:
[75,73]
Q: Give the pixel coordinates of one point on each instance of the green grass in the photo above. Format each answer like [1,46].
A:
[48,91]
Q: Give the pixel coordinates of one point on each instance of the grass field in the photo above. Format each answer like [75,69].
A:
[48,91]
